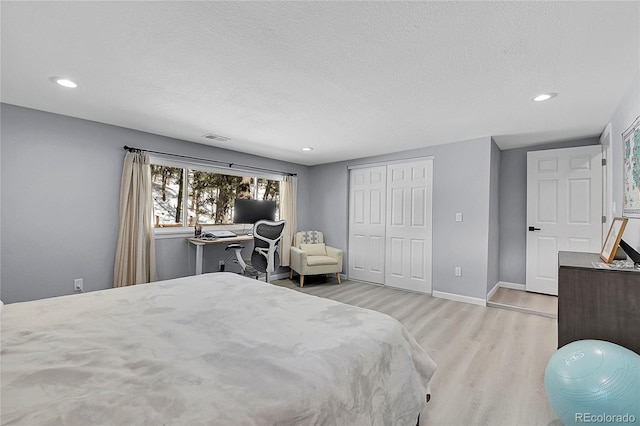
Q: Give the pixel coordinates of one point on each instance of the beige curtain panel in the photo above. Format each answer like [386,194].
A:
[289,214]
[135,252]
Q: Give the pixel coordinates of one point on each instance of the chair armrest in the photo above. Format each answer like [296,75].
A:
[334,252]
[298,259]
[295,251]
[234,246]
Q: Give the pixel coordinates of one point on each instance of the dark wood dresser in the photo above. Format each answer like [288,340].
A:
[602,304]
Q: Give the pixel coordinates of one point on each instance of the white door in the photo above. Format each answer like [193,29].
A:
[564,210]
[607,180]
[367,216]
[409,234]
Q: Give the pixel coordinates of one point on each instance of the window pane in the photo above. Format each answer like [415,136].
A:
[211,196]
[269,190]
[167,183]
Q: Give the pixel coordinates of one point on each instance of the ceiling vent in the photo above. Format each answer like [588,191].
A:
[217,138]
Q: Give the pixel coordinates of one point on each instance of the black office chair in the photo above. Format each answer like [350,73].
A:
[264,257]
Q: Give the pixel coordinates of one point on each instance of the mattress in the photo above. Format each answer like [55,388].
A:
[215,349]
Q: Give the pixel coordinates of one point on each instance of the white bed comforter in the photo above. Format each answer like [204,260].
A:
[215,349]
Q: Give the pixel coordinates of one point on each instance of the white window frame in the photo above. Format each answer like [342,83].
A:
[181,231]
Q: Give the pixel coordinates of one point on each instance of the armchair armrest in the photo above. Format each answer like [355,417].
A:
[298,258]
[334,252]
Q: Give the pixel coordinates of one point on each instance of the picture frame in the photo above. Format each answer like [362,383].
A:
[631,170]
[612,242]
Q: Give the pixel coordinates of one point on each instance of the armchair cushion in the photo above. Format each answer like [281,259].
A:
[321,260]
[314,249]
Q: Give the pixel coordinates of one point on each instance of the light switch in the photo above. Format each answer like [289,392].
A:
[458,217]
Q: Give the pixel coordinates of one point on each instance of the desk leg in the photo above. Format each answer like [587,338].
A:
[199,259]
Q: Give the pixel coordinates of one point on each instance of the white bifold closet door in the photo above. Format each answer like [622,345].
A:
[390,224]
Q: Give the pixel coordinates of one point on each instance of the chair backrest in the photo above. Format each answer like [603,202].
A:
[266,236]
[308,237]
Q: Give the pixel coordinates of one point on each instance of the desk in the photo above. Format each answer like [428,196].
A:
[199,243]
[601,304]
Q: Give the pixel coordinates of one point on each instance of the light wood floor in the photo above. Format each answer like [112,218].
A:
[491,362]
[525,301]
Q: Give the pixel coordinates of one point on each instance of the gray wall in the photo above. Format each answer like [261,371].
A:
[330,204]
[461,184]
[493,272]
[625,114]
[513,208]
[60,194]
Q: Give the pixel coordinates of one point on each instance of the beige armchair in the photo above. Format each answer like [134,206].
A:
[310,256]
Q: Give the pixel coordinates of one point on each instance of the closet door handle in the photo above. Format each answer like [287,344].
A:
[531,228]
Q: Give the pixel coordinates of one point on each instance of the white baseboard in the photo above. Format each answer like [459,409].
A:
[513,286]
[460,298]
[493,290]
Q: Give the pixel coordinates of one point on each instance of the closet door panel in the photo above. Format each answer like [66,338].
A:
[408,233]
[367,219]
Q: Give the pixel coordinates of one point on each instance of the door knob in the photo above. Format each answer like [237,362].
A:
[531,228]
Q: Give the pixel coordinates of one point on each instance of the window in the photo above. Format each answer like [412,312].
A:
[206,195]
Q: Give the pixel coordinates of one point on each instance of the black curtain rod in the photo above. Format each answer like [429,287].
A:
[230,165]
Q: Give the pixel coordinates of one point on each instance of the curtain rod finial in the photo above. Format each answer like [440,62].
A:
[131,149]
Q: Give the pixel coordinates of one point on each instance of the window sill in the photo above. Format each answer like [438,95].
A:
[182,232]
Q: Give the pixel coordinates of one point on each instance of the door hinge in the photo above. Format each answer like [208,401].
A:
[604,219]
[604,161]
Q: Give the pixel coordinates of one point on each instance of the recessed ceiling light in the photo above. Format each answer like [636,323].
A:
[307,148]
[544,97]
[64,82]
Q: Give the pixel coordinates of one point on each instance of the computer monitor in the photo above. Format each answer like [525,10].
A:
[251,211]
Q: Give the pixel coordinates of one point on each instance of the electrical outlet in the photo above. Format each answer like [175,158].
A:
[78,285]
[221,266]
[458,271]
[458,217]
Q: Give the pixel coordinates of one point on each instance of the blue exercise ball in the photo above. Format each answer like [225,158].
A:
[594,382]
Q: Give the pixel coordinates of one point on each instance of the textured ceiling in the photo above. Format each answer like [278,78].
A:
[350,79]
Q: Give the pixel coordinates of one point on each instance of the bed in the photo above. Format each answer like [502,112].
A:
[215,349]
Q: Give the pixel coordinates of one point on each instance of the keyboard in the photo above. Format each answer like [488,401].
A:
[219,234]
